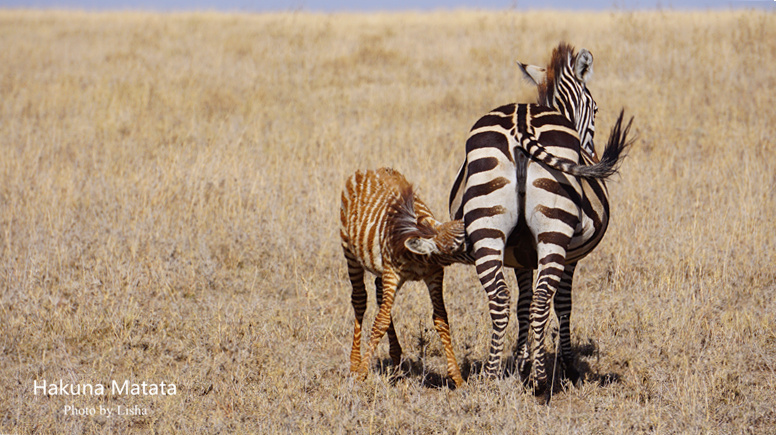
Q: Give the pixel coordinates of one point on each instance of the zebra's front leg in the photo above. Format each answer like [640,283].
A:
[391,284]
[435,283]
[562,305]
[394,349]
[525,295]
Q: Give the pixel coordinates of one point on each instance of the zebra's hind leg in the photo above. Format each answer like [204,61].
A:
[434,283]
[562,304]
[358,299]
[393,341]
[525,288]
[552,258]
[490,270]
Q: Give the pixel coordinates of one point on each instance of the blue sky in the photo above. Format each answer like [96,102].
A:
[388,5]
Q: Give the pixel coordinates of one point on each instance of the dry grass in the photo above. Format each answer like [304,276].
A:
[168,213]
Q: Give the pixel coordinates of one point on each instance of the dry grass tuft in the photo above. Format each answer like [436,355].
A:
[168,213]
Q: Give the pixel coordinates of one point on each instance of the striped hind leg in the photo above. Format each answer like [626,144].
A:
[435,283]
[489,263]
[562,304]
[358,300]
[490,213]
[393,340]
[551,251]
[525,288]
[487,228]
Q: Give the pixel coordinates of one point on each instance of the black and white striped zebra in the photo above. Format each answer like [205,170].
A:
[532,196]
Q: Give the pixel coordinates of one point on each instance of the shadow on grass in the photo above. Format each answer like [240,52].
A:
[586,373]
[471,367]
[415,369]
[583,353]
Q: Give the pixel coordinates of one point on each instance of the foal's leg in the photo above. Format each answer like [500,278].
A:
[391,284]
[358,299]
[434,283]
[393,340]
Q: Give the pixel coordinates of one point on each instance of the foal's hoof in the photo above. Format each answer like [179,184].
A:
[361,372]
[458,382]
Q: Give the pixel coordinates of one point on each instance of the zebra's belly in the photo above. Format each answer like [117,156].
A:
[520,249]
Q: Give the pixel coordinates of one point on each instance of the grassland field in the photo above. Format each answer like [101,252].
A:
[169,199]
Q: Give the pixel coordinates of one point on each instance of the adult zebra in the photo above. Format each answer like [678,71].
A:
[532,195]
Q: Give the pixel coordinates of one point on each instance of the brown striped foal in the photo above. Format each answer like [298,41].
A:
[390,232]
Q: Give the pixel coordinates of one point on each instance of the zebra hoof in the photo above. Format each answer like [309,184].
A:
[492,372]
[543,398]
[542,393]
[571,374]
[525,373]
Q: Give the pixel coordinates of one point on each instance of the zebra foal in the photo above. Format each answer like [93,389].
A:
[387,230]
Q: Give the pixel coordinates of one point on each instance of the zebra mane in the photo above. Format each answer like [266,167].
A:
[561,58]
[403,222]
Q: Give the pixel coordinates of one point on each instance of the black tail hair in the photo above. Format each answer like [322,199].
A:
[614,153]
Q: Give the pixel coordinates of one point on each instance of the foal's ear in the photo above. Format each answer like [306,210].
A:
[536,74]
[421,246]
[583,65]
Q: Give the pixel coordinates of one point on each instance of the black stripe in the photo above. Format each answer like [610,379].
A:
[598,188]
[553,258]
[538,110]
[490,264]
[482,165]
[485,233]
[497,315]
[484,189]
[550,118]
[555,238]
[484,251]
[478,213]
[504,122]
[506,109]
[489,139]
[457,185]
[559,139]
[556,188]
[559,214]
[521,118]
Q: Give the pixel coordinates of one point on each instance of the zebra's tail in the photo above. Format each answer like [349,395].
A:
[614,153]
[613,156]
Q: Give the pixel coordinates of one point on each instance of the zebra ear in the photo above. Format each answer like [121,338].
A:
[583,65]
[421,246]
[535,74]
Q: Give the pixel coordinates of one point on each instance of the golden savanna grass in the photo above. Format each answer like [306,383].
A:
[169,199]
